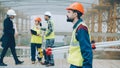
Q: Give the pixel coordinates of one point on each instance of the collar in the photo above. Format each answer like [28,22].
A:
[77,23]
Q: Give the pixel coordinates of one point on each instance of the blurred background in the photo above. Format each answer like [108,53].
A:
[101,16]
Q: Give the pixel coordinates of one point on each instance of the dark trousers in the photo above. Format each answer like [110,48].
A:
[9,44]
[33,51]
[73,66]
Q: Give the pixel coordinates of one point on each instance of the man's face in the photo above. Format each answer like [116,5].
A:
[70,16]
[46,17]
[12,17]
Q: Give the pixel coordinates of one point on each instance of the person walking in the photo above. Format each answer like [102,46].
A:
[8,38]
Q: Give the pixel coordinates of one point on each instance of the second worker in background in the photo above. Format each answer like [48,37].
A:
[50,37]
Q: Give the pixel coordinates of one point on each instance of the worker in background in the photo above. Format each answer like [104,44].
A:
[50,36]
[36,41]
[93,45]
[80,51]
[8,38]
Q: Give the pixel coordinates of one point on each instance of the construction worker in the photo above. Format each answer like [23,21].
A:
[80,51]
[50,30]
[36,41]
[49,36]
[8,39]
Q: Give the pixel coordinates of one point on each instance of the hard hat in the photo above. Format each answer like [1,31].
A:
[38,19]
[76,6]
[11,12]
[48,13]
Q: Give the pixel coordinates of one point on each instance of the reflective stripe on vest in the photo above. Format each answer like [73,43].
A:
[75,56]
[52,35]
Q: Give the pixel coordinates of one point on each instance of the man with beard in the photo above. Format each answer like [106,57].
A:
[80,51]
[49,36]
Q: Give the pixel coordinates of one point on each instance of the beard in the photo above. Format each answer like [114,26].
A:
[69,20]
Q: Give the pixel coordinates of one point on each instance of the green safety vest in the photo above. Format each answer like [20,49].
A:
[75,56]
[52,35]
[36,39]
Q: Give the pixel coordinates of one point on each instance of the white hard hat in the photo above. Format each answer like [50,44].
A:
[11,12]
[48,13]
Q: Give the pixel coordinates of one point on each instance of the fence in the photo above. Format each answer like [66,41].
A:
[108,46]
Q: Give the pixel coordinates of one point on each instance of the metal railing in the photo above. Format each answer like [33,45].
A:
[23,51]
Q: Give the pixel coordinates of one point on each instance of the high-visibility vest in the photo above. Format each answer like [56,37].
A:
[52,35]
[75,56]
[36,39]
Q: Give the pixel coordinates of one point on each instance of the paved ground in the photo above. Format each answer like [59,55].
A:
[97,63]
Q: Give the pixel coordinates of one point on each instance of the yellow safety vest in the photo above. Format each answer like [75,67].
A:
[36,39]
[52,35]
[75,56]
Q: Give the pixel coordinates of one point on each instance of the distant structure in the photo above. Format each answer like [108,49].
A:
[103,20]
